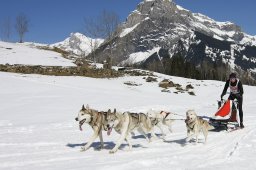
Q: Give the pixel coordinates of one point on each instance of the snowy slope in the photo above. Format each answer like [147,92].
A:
[38,130]
[14,53]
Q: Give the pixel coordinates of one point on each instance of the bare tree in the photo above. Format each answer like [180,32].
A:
[93,30]
[110,21]
[21,25]
[102,26]
[6,29]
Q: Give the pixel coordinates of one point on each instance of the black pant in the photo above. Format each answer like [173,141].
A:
[240,104]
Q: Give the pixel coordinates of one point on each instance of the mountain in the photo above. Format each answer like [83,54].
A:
[161,25]
[78,44]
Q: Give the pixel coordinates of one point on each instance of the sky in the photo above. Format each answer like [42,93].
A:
[51,21]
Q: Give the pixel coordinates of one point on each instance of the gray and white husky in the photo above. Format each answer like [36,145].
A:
[195,125]
[95,119]
[125,124]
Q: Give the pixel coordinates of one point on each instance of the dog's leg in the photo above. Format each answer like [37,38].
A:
[189,135]
[197,131]
[91,140]
[141,131]
[205,132]
[128,139]
[160,126]
[153,135]
[119,142]
[169,124]
[101,139]
[124,132]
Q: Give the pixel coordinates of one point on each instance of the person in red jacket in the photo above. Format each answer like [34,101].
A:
[236,92]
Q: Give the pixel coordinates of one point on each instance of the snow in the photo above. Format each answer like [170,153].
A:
[128,30]
[38,130]
[12,53]
[140,56]
[181,8]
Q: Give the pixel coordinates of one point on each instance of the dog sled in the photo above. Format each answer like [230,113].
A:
[226,116]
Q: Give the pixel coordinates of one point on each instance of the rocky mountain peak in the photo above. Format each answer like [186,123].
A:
[162,25]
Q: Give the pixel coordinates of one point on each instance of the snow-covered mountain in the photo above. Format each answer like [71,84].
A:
[78,44]
[38,130]
[162,25]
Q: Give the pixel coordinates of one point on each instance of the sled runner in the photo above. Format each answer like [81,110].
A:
[226,116]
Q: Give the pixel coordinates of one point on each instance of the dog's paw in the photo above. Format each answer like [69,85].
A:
[83,149]
[112,151]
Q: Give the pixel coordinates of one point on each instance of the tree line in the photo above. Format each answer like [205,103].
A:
[178,66]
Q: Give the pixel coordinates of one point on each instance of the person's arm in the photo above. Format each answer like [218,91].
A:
[225,89]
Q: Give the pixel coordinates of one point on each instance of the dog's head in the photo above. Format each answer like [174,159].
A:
[84,116]
[105,121]
[190,116]
[112,121]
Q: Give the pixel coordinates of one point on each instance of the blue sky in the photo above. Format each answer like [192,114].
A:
[53,20]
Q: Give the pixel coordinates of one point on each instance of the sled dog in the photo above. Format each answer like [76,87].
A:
[161,119]
[196,124]
[125,124]
[95,119]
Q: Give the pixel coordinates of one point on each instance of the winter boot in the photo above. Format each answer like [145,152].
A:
[241,125]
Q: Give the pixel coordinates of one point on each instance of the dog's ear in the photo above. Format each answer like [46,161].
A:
[115,110]
[83,107]
[87,106]
[109,111]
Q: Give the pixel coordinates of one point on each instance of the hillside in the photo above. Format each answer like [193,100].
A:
[29,54]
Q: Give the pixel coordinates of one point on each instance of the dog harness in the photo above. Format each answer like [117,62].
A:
[190,125]
[166,114]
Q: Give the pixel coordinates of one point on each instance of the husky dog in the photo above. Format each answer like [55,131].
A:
[125,124]
[161,119]
[196,124]
[95,119]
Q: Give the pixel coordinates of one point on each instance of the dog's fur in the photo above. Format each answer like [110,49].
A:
[125,124]
[161,119]
[96,120]
[196,124]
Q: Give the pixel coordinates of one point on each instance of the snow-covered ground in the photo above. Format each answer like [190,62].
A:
[38,128]
[16,53]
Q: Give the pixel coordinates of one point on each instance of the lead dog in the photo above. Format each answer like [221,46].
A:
[125,124]
[96,120]
[196,124]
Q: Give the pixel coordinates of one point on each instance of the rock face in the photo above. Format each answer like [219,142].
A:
[161,26]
